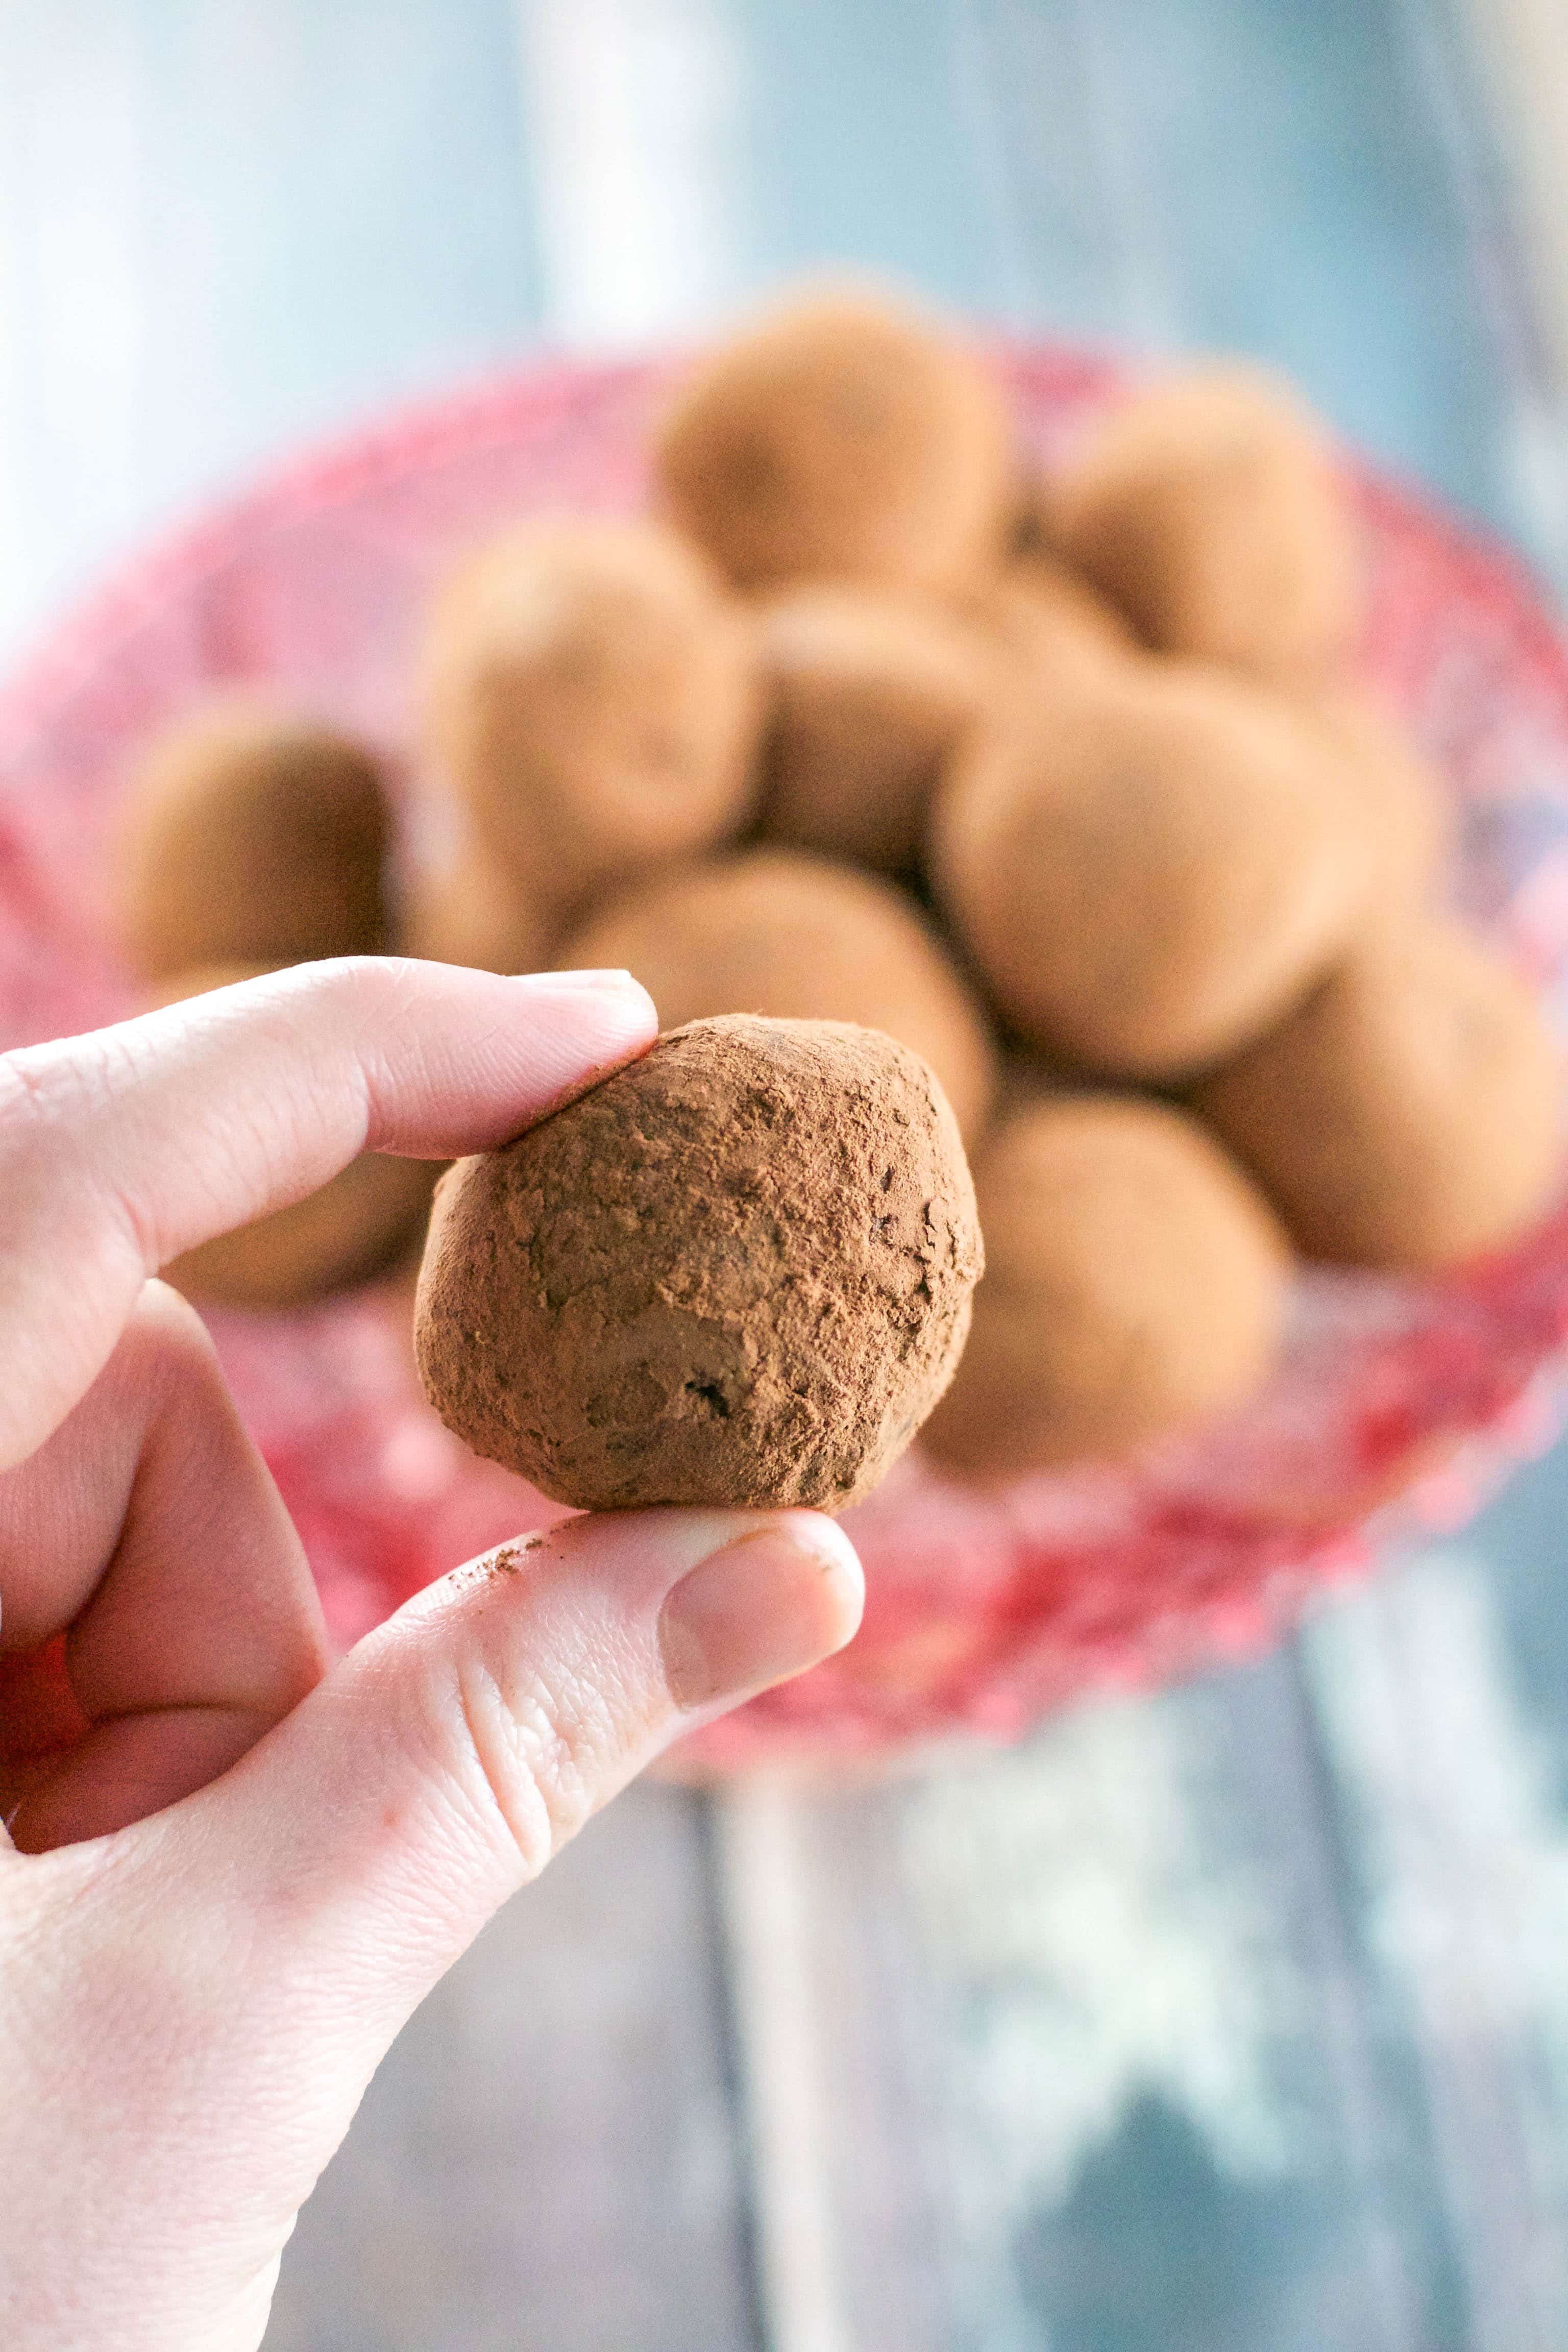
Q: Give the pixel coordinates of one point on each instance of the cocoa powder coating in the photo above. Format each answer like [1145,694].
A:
[1135,1285]
[591,699]
[737,1273]
[797,938]
[465,910]
[1209,509]
[839,438]
[1153,867]
[1050,621]
[1406,804]
[868,696]
[1408,1113]
[251,836]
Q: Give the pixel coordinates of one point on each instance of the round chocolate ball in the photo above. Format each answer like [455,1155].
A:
[466,910]
[737,1273]
[1404,798]
[868,696]
[250,835]
[592,699]
[350,1228]
[841,438]
[1135,1285]
[1210,509]
[1408,1113]
[777,932]
[1048,620]
[1153,867]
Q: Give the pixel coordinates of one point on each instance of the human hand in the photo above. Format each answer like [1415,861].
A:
[231,1873]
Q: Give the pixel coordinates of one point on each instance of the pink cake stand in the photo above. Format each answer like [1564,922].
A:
[1399,1404]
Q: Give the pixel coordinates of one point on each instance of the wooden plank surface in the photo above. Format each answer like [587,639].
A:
[1229,2019]
[551,2156]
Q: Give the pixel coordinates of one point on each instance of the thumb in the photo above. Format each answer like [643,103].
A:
[449,1756]
[280,1925]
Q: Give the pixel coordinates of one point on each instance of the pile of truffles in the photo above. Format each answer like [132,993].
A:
[1043,809]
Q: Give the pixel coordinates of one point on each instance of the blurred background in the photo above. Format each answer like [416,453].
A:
[1232,2018]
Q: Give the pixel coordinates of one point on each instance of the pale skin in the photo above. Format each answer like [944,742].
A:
[230,1873]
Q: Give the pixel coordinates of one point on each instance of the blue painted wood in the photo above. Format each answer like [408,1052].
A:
[1111,2066]
[550,2156]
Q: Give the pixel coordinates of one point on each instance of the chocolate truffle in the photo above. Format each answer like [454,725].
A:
[870,694]
[1030,522]
[777,932]
[249,836]
[1153,869]
[1048,619]
[1135,1285]
[1404,798]
[1210,509]
[841,438]
[466,910]
[593,701]
[737,1273]
[1407,1114]
[350,1228]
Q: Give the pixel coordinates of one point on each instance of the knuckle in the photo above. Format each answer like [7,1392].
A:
[534,1754]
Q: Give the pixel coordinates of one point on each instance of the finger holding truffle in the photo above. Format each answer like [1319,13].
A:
[737,1273]
[353,1226]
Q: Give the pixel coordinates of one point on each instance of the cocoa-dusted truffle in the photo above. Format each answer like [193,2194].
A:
[350,1228]
[1210,509]
[1048,619]
[870,694]
[738,1274]
[777,932]
[1402,797]
[1407,1115]
[1135,1285]
[1153,869]
[840,437]
[466,910]
[1029,524]
[251,835]
[594,700]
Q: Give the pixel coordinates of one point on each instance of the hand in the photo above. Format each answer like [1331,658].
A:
[232,1874]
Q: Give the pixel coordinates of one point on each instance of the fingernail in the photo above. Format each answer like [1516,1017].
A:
[766,1607]
[612,983]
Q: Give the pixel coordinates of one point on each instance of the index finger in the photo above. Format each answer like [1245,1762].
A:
[120,1148]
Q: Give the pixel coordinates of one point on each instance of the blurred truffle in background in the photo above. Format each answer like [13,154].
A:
[1064,776]
[251,834]
[775,932]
